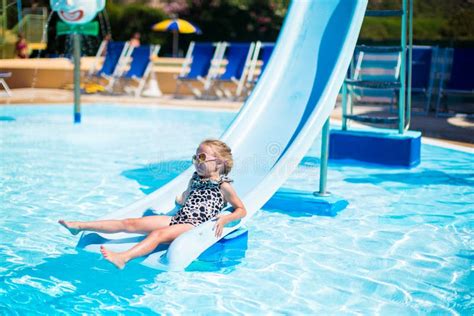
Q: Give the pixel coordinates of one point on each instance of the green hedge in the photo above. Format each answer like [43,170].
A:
[439,22]
[125,20]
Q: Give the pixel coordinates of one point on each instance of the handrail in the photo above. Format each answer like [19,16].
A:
[405,76]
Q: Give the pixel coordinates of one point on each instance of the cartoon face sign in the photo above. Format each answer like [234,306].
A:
[77,11]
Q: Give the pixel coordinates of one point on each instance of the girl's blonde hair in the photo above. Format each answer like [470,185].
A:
[223,152]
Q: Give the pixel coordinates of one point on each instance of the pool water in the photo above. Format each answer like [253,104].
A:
[404,244]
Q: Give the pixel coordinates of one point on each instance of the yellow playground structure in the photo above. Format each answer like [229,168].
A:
[31,22]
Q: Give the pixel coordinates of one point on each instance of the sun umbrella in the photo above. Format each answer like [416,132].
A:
[176,26]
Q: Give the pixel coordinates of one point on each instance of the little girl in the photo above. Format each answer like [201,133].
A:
[208,192]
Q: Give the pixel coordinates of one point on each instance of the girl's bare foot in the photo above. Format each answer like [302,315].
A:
[113,257]
[71,226]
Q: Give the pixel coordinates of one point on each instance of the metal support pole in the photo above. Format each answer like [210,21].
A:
[324,161]
[175,43]
[402,96]
[344,106]
[350,104]
[410,58]
[20,16]
[77,77]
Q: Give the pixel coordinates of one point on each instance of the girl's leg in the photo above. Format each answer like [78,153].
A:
[143,225]
[146,246]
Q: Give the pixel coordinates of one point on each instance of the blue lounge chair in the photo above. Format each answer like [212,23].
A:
[376,74]
[140,68]
[98,55]
[262,52]
[459,80]
[267,50]
[117,52]
[238,56]
[423,73]
[201,65]
[381,71]
[3,75]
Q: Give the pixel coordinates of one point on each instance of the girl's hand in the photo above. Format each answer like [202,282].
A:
[220,222]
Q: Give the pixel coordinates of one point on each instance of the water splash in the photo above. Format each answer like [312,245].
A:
[44,40]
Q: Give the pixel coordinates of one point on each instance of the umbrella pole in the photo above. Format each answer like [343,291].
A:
[175,43]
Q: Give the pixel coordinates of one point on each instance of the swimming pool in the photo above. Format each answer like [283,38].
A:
[403,245]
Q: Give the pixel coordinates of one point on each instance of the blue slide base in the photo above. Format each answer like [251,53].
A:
[385,147]
[297,203]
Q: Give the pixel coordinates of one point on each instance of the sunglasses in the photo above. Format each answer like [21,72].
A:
[202,158]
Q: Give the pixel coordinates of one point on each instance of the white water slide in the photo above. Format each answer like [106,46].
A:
[272,132]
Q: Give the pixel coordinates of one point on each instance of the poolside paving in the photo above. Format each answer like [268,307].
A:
[458,130]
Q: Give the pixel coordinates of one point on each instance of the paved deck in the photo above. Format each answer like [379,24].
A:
[457,130]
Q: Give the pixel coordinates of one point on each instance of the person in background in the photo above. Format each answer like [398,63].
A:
[135,40]
[106,40]
[21,47]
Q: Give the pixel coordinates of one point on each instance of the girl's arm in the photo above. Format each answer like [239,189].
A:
[180,199]
[239,209]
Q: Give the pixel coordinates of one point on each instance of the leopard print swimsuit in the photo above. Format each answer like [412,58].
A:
[205,201]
